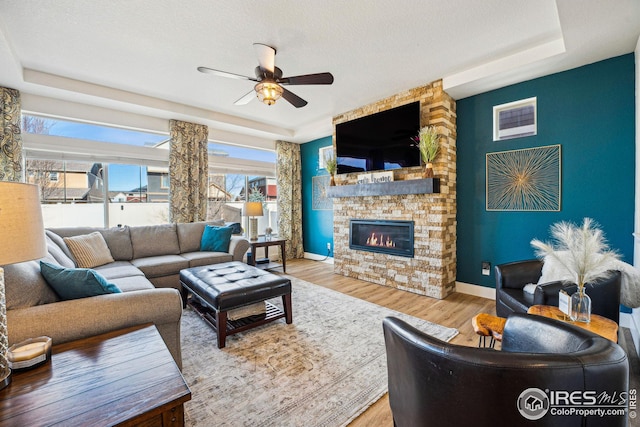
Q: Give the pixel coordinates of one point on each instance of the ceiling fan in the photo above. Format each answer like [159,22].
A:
[269,80]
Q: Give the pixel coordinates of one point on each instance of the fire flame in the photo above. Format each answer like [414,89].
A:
[383,241]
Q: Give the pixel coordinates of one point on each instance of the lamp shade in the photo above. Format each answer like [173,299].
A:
[21,226]
[253,209]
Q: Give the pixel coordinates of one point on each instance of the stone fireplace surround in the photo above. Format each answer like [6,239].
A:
[432,270]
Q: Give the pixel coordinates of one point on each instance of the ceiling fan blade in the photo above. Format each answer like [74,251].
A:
[225,74]
[308,79]
[246,98]
[266,56]
[294,99]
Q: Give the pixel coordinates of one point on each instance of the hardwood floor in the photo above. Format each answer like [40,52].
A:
[456,311]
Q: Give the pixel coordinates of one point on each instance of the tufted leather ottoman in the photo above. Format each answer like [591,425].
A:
[216,289]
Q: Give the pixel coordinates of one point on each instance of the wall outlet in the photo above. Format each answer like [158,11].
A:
[486,268]
[328,246]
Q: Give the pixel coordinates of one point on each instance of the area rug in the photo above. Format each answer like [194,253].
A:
[323,370]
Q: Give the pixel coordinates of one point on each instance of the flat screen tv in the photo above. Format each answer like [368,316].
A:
[381,141]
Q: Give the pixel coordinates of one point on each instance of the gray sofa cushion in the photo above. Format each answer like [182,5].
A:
[68,260]
[190,234]
[25,286]
[132,283]
[56,252]
[196,259]
[119,241]
[154,240]
[118,269]
[163,265]
[117,238]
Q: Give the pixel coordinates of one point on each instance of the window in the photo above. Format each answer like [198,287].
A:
[136,195]
[515,119]
[58,127]
[129,184]
[75,198]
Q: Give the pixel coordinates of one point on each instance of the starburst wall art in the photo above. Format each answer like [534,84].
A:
[524,180]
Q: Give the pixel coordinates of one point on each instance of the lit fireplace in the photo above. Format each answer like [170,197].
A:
[381,240]
[390,237]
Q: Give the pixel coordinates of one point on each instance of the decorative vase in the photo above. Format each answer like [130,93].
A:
[580,306]
[428,170]
[332,181]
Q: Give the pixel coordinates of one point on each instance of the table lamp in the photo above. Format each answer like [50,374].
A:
[252,210]
[21,239]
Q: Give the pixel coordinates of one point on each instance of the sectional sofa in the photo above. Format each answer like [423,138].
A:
[146,265]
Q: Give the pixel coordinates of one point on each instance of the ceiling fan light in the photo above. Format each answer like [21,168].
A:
[268,92]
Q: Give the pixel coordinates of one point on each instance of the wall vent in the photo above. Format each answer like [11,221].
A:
[515,119]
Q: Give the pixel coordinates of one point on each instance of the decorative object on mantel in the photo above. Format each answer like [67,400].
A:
[583,252]
[429,145]
[331,164]
[375,177]
[21,239]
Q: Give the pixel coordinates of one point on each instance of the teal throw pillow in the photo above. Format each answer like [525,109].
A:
[74,283]
[216,239]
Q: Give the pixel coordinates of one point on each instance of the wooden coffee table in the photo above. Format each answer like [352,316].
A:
[125,378]
[600,325]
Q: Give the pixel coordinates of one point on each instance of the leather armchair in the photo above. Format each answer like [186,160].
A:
[511,279]
[434,383]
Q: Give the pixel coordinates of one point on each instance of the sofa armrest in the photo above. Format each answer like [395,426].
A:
[238,247]
[66,321]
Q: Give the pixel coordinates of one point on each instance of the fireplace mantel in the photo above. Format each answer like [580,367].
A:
[410,186]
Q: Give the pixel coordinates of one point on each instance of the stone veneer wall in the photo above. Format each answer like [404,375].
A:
[432,271]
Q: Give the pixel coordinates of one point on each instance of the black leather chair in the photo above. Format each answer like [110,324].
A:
[434,383]
[511,279]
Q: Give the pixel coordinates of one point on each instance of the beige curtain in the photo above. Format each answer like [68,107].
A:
[289,182]
[10,137]
[188,171]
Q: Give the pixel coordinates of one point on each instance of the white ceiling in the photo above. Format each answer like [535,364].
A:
[141,56]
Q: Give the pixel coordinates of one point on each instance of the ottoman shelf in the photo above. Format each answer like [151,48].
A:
[236,326]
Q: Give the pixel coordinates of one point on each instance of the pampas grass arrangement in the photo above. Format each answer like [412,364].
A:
[581,250]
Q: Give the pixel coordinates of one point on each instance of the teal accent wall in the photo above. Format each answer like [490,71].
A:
[590,112]
[317,225]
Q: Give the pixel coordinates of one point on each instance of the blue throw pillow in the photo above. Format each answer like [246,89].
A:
[216,239]
[74,283]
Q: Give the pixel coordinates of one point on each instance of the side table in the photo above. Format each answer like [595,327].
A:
[264,243]
[124,378]
[599,325]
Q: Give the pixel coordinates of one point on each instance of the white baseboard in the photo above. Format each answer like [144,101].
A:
[476,290]
[316,257]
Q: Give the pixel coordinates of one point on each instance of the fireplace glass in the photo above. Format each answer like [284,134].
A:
[384,236]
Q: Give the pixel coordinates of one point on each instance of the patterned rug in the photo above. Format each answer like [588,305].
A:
[323,370]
